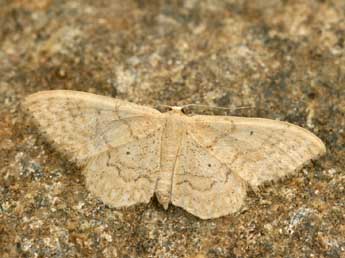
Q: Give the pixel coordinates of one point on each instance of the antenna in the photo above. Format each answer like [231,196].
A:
[215,107]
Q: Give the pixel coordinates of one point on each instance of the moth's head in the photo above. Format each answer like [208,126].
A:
[171,109]
[176,110]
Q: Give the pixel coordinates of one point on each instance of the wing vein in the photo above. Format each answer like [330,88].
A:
[215,157]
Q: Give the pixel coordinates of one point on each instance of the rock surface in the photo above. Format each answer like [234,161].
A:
[284,58]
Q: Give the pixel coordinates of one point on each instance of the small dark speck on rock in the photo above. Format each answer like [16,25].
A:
[32,169]
[223,101]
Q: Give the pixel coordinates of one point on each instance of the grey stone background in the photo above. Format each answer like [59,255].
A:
[285,58]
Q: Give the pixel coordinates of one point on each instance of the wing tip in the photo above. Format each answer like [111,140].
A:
[323,149]
[29,99]
[319,144]
[47,93]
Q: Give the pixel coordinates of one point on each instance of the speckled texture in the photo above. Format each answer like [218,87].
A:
[285,58]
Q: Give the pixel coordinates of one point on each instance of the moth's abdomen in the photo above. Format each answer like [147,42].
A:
[170,145]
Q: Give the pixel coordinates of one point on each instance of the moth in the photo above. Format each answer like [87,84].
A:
[203,164]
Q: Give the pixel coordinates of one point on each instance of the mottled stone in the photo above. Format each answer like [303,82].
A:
[283,58]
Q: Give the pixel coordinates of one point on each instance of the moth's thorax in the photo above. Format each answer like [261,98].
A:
[170,146]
